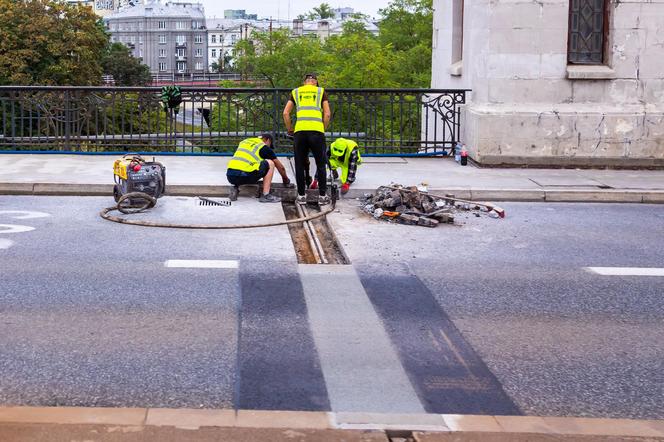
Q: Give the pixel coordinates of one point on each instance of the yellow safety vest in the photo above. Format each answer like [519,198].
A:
[344,161]
[309,108]
[246,156]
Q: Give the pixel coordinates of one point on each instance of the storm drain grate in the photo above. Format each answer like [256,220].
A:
[217,203]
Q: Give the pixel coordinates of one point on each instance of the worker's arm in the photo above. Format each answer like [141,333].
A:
[287,119]
[282,171]
[327,113]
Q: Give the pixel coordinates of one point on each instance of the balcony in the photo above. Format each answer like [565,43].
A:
[181,44]
[180,57]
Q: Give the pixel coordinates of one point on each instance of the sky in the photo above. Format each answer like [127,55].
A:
[280,8]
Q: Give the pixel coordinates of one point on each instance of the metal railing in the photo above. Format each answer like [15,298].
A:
[214,120]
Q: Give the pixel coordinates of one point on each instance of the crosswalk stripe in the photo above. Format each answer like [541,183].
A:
[627,271]
[361,368]
[201,264]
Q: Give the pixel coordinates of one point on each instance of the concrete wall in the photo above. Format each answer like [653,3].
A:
[529,106]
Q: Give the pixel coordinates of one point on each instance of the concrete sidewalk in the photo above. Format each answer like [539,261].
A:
[36,174]
[54,424]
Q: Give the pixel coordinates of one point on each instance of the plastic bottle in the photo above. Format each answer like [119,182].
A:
[457,152]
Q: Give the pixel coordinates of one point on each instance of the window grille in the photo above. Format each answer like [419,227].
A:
[587,31]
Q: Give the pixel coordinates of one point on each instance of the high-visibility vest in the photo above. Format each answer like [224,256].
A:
[246,156]
[309,108]
[343,163]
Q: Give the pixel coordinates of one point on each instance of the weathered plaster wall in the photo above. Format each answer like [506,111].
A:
[527,105]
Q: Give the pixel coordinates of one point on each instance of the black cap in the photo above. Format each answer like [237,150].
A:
[311,75]
[267,136]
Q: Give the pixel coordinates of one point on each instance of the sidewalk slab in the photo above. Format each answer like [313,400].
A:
[613,196]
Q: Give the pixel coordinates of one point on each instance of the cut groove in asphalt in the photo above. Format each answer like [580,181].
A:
[278,364]
[201,264]
[361,368]
[627,271]
[447,374]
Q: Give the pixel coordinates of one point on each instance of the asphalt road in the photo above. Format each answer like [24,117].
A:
[491,317]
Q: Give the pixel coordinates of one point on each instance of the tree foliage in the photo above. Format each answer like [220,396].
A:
[126,69]
[49,42]
[321,12]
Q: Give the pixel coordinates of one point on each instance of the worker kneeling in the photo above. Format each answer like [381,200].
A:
[254,160]
[343,154]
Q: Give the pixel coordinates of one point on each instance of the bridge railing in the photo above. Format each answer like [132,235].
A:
[214,120]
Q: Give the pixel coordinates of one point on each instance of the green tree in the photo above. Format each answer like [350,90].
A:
[126,69]
[49,42]
[413,48]
[321,12]
[278,57]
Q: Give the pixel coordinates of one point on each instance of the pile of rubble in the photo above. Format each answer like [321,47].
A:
[416,206]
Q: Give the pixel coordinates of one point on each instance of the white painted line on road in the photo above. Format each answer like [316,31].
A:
[202,263]
[362,370]
[15,228]
[627,271]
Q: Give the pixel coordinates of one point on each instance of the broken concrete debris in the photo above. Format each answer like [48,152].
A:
[416,206]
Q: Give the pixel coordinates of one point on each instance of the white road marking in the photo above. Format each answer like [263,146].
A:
[202,264]
[627,271]
[361,368]
[6,243]
[24,214]
[14,228]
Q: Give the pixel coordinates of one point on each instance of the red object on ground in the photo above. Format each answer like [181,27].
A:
[464,153]
[345,187]
[314,184]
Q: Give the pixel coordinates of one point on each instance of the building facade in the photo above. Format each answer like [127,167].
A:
[169,37]
[568,82]
[104,8]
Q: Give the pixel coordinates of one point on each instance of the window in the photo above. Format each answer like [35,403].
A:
[182,66]
[199,52]
[196,24]
[213,53]
[140,39]
[181,25]
[180,52]
[198,38]
[162,67]
[587,31]
[140,53]
[162,25]
[140,25]
[457,30]
[162,39]
[181,39]
[199,66]
[162,53]
[132,39]
[213,38]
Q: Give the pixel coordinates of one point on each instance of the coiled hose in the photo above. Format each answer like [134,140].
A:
[151,201]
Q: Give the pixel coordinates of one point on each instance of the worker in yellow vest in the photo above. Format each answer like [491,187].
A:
[254,160]
[343,154]
[312,113]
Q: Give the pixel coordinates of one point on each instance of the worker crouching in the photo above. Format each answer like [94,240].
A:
[254,160]
[343,154]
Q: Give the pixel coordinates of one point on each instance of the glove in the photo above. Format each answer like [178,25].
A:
[344,188]
[314,184]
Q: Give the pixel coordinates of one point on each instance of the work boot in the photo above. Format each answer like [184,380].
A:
[269,198]
[301,199]
[233,193]
[323,200]
[314,185]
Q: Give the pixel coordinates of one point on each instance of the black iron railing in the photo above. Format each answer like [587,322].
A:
[214,120]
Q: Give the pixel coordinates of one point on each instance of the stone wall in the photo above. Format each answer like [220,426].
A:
[528,106]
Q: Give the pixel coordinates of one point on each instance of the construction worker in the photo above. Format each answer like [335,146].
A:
[312,111]
[254,160]
[343,154]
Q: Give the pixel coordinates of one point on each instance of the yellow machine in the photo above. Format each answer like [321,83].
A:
[132,173]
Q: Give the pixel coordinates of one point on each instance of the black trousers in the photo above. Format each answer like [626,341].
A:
[310,141]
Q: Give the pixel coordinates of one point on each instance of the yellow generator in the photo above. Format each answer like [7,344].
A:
[133,174]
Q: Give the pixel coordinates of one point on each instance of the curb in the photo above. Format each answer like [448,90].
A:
[429,427]
[515,195]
